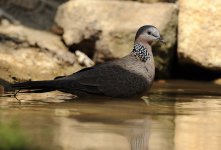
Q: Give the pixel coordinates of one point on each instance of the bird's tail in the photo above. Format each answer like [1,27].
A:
[36,86]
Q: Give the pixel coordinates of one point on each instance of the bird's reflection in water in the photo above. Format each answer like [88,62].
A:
[120,134]
[93,125]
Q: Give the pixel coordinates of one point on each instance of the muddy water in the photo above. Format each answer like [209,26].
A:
[174,115]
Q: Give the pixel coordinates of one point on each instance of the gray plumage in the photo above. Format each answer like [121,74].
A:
[125,77]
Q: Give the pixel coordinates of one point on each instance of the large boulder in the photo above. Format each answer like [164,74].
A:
[200,33]
[109,27]
[28,54]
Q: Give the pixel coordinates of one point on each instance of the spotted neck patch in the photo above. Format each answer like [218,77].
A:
[141,52]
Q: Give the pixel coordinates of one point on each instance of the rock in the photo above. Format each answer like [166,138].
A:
[150,1]
[200,33]
[217,81]
[28,54]
[83,59]
[154,1]
[35,13]
[111,31]
[37,38]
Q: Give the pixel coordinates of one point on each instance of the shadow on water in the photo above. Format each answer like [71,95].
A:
[178,115]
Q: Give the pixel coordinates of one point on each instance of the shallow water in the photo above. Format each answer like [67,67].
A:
[174,115]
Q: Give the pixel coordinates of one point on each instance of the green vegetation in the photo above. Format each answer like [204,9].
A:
[12,136]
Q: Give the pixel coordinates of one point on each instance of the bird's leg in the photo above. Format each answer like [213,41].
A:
[15,95]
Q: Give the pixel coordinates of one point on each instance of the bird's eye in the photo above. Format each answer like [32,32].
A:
[149,33]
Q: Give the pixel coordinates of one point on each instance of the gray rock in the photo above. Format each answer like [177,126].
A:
[111,25]
[26,54]
[200,33]
[35,13]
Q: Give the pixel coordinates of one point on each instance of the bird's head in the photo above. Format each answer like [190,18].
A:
[149,34]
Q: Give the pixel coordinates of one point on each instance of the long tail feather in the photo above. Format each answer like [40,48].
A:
[38,86]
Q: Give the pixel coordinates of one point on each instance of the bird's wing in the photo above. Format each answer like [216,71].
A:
[110,79]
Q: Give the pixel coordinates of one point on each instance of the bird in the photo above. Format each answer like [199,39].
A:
[125,77]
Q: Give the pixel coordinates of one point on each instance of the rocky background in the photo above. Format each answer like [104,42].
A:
[42,39]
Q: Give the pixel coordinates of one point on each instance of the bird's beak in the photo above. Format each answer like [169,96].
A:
[161,40]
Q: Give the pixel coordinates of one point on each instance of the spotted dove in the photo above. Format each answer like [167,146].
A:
[125,77]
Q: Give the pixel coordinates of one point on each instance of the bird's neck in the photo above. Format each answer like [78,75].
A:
[142,51]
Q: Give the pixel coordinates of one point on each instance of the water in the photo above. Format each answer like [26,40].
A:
[174,115]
